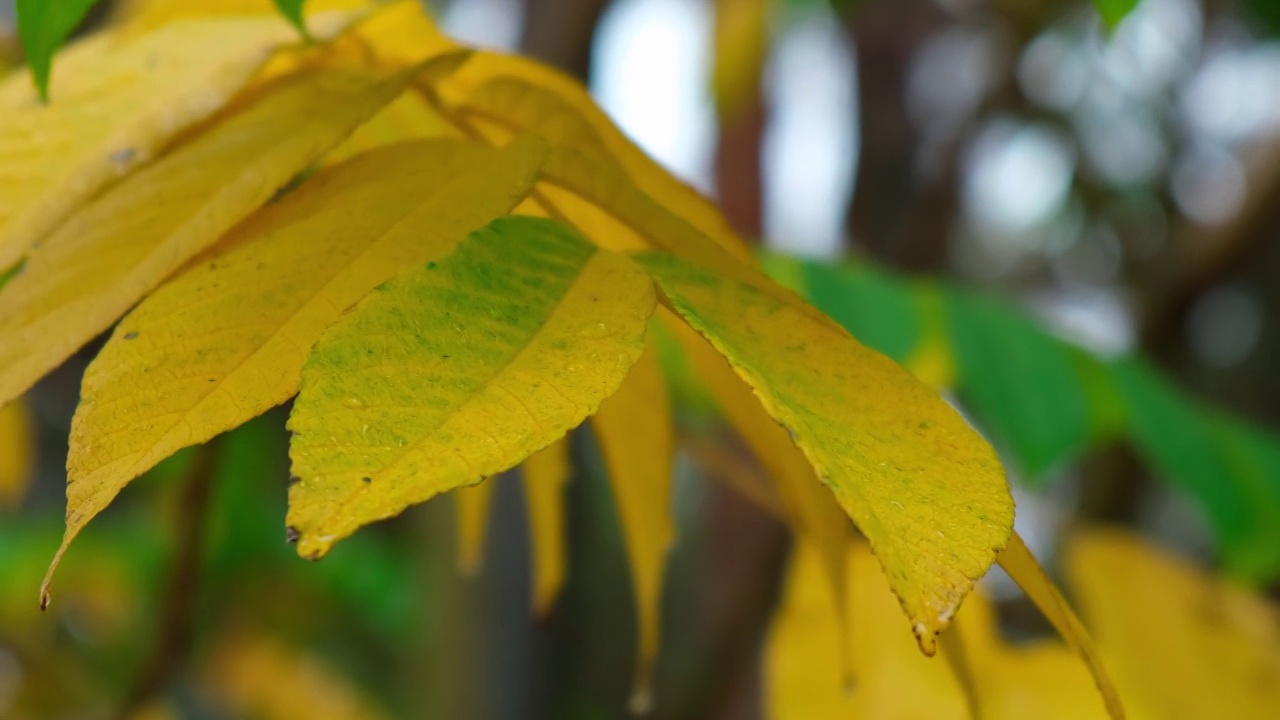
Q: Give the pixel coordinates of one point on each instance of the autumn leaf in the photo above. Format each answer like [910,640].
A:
[140,91]
[17,451]
[118,248]
[545,474]
[1181,643]
[226,340]
[635,432]
[921,484]
[1022,567]
[808,506]
[459,370]
[473,504]
[891,679]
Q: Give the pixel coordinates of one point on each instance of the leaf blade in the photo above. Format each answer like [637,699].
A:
[42,28]
[141,91]
[226,340]
[449,416]
[634,429]
[121,246]
[924,488]
[545,475]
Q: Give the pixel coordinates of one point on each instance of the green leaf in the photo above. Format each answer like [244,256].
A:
[43,25]
[292,11]
[1113,11]
[1175,436]
[1020,381]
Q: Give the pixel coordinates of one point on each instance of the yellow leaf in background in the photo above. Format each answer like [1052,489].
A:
[545,475]
[1039,679]
[402,33]
[1017,560]
[1181,643]
[17,453]
[119,247]
[226,340]
[459,370]
[261,677]
[473,519]
[154,13]
[892,680]
[636,438]
[521,95]
[139,94]
[809,507]
[739,50]
[924,487]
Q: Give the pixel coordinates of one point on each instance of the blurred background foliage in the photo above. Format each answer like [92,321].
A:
[1063,215]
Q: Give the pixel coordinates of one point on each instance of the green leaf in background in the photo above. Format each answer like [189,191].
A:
[1175,437]
[1254,458]
[1020,381]
[1113,11]
[43,25]
[292,10]
[1045,401]
[869,303]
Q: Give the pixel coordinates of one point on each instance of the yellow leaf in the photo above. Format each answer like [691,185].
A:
[809,507]
[116,103]
[924,487]
[473,519]
[409,117]
[932,360]
[154,13]
[892,680]
[1181,644]
[260,677]
[1017,560]
[459,370]
[634,430]
[17,446]
[520,95]
[740,48]
[226,340]
[546,473]
[1032,680]
[119,247]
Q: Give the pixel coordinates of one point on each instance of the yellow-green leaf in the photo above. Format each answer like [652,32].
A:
[472,504]
[635,434]
[1181,643]
[139,93]
[545,474]
[459,370]
[17,448]
[809,507]
[1017,560]
[226,340]
[118,248]
[924,487]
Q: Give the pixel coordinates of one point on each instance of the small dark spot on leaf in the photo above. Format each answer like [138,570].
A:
[444,357]
[213,379]
[294,480]
[431,265]
[131,335]
[122,157]
[314,556]
[367,479]
[291,534]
